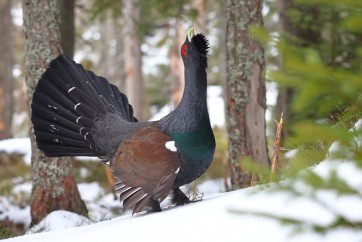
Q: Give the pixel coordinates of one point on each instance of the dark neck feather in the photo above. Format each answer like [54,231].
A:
[193,105]
[194,96]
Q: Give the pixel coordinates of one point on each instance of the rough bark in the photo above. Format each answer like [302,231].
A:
[222,49]
[67,27]
[246,101]
[6,65]
[133,58]
[54,187]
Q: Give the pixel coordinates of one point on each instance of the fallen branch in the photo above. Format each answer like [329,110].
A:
[275,159]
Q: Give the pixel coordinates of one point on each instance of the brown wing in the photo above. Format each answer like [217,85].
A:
[144,169]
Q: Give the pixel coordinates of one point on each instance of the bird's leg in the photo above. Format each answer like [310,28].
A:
[179,198]
[155,206]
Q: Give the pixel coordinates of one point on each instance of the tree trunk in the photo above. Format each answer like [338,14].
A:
[306,34]
[177,67]
[118,74]
[285,94]
[66,28]
[223,49]
[133,58]
[54,187]
[246,101]
[6,65]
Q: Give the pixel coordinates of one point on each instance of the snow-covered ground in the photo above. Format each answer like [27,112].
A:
[18,146]
[224,217]
[243,215]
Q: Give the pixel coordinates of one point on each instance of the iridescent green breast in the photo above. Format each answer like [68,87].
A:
[196,148]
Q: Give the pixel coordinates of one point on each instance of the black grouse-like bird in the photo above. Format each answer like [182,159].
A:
[76,113]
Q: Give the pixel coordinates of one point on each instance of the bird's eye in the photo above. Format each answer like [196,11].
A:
[184,50]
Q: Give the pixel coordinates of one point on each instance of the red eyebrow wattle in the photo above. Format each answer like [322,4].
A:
[183,50]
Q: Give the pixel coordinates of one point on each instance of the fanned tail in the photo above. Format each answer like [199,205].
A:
[66,103]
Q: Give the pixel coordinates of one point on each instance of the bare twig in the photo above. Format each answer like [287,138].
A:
[275,159]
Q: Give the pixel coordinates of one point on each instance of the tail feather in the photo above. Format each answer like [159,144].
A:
[41,113]
[42,105]
[56,150]
[66,104]
[97,87]
[71,89]
[127,112]
[47,94]
[47,137]
[49,127]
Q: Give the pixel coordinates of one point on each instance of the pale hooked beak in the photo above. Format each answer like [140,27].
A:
[191,33]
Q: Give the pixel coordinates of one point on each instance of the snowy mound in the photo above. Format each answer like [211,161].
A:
[59,220]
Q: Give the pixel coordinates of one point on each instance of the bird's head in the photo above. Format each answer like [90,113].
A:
[195,48]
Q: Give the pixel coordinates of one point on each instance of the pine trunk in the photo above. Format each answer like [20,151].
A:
[54,187]
[6,65]
[133,58]
[66,28]
[246,101]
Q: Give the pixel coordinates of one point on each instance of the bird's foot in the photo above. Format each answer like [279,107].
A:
[155,206]
[179,198]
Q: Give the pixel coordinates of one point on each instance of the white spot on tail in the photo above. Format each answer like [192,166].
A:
[77,120]
[80,130]
[75,107]
[85,136]
[171,146]
[53,107]
[53,128]
[71,89]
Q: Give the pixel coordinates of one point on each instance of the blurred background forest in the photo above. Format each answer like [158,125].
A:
[313,71]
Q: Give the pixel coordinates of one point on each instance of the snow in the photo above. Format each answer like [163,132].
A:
[216,106]
[243,215]
[358,125]
[90,191]
[23,146]
[232,216]
[271,100]
[22,188]
[59,220]
[13,213]
[163,112]
[225,217]
[291,153]
[17,145]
